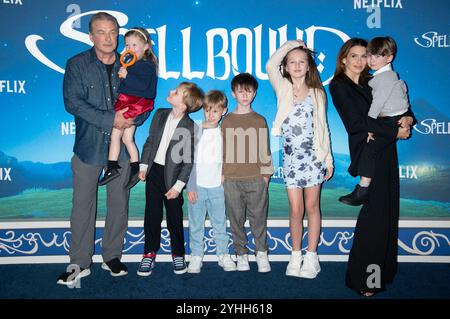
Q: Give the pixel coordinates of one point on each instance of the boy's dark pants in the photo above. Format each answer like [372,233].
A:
[366,164]
[154,190]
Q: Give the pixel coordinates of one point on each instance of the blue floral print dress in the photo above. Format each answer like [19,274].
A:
[301,168]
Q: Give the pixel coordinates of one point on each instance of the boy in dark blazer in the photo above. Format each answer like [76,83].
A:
[167,159]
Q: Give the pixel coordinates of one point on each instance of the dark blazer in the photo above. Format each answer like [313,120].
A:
[182,145]
[352,101]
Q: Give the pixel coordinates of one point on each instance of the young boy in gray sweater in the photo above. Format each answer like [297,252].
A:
[389,104]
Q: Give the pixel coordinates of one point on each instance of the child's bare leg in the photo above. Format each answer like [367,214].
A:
[114,146]
[296,211]
[312,199]
[128,140]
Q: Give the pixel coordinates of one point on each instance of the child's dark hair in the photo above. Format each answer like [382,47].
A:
[143,34]
[215,99]
[245,81]
[383,46]
[193,96]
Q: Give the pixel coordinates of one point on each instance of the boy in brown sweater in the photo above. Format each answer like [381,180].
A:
[247,168]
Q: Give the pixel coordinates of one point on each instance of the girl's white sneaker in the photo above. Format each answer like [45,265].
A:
[310,267]
[293,268]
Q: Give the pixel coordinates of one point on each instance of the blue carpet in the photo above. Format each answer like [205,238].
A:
[413,280]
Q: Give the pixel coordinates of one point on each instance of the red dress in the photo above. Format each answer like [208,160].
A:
[138,90]
[136,105]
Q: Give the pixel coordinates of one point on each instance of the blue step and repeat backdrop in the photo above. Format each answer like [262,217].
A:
[209,42]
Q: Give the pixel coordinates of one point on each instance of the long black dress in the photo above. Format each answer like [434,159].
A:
[376,232]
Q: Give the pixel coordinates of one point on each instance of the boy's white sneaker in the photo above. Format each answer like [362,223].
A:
[226,262]
[293,268]
[195,265]
[263,261]
[242,263]
[310,267]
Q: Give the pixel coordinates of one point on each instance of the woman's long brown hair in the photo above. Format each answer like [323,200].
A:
[343,52]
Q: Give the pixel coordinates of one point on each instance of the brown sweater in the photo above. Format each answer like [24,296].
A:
[246,149]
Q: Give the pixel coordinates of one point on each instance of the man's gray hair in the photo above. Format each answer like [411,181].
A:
[102,16]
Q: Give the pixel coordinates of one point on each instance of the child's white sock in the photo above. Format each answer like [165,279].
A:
[364,184]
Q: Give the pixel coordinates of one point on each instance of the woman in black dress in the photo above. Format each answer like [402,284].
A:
[373,258]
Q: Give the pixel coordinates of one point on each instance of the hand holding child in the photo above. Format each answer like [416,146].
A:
[120,122]
[405,121]
[403,133]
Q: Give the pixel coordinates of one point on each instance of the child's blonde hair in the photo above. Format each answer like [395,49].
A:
[215,99]
[193,96]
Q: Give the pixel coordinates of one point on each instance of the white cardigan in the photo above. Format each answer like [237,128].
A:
[285,103]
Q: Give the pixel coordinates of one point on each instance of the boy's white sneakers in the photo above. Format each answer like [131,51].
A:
[293,268]
[226,262]
[263,261]
[195,265]
[242,263]
[310,267]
